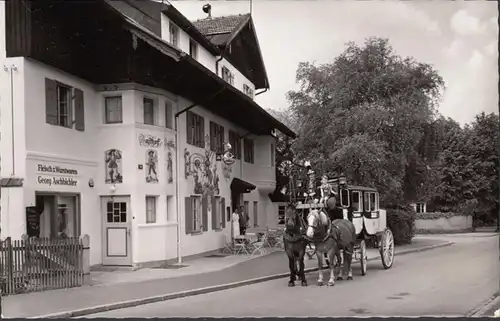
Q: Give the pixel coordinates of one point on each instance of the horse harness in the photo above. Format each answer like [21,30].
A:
[328,233]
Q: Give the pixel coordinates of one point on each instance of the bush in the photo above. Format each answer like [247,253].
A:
[437,215]
[401,221]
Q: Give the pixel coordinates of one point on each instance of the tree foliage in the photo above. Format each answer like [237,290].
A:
[364,113]
[371,115]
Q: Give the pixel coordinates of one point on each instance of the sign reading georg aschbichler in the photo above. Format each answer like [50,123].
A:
[60,175]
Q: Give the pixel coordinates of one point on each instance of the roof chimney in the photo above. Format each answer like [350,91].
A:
[208,9]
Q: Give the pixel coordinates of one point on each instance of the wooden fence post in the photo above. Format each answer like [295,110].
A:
[86,259]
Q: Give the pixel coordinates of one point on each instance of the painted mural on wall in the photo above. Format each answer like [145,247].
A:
[203,169]
[151,166]
[150,141]
[170,170]
[227,171]
[170,147]
[113,166]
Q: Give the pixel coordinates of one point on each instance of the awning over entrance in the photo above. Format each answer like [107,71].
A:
[241,186]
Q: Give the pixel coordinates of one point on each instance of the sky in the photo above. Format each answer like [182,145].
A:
[458,38]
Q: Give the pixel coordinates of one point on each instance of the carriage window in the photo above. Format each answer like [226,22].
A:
[281,215]
[356,201]
[344,197]
[366,203]
[373,202]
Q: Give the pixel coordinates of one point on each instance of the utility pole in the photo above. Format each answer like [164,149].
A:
[251,7]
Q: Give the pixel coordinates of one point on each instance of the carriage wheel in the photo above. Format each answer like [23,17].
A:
[363,260]
[386,248]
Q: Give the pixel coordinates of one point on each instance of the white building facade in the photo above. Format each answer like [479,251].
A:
[130,163]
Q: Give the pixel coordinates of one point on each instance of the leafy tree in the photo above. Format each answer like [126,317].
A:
[364,113]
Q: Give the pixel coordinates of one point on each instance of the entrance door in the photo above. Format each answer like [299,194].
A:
[116,231]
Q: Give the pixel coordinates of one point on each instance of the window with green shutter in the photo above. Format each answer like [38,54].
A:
[195,129]
[64,105]
[194,217]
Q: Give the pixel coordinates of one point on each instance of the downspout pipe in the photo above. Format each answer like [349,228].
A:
[177,167]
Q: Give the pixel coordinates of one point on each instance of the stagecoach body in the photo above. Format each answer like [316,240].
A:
[361,205]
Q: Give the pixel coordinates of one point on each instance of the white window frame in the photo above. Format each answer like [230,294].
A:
[375,202]
[196,216]
[255,214]
[173,32]
[193,48]
[153,111]
[248,91]
[68,105]
[366,201]
[249,153]
[360,202]
[227,75]
[281,213]
[218,209]
[108,112]
[151,209]
[169,114]
[342,198]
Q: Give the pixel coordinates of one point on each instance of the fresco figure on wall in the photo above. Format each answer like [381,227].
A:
[227,171]
[113,161]
[151,166]
[203,169]
[216,180]
[170,174]
[198,176]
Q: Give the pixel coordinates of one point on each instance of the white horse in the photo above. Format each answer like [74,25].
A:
[331,237]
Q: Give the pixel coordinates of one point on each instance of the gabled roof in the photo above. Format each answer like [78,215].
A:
[220,31]
[147,13]
[220,25]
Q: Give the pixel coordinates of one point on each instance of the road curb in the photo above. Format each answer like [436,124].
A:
[209,289]
[485,306]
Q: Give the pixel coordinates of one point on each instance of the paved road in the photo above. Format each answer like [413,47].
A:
[446,281]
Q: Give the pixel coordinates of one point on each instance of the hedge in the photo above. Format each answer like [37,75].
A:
[401,221]
[437,215]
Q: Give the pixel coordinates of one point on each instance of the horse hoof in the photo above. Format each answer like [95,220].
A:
[349,278]
[331,283]
[339,278]
[320,283]
[303,283]
[291,283]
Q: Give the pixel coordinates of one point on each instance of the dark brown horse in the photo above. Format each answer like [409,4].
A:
[295,245]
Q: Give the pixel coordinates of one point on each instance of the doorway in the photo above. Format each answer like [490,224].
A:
[58,216]
[116,226]
[236,200]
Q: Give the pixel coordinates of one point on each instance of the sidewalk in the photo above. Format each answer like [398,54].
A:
[58,301]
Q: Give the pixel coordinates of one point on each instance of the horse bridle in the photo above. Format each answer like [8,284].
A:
[328,230]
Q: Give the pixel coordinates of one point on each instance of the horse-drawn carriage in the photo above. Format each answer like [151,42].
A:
[360,205]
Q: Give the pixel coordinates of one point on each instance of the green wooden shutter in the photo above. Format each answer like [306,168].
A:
[204,213]
[79,110]
[50,101]
[202,131]
[189,127]
[213,135]
[221,138]
[214,214]
[223,212]
[188,208]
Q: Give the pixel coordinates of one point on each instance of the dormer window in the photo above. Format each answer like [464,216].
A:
[174,34]
[227,75]
[193,49]
[248,91]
